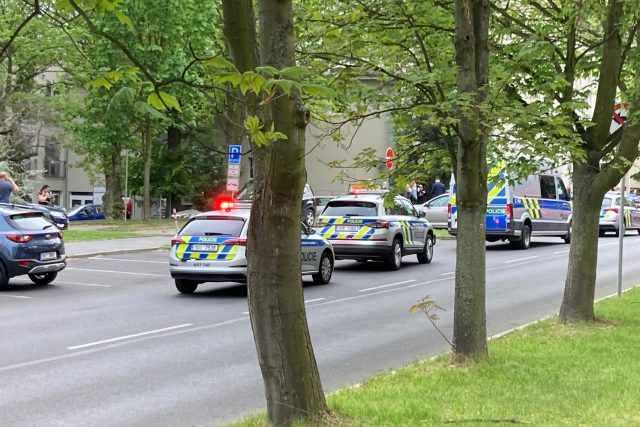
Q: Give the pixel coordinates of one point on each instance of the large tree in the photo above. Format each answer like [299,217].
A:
[276,302]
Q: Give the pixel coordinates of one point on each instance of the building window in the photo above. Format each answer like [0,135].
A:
[53,165]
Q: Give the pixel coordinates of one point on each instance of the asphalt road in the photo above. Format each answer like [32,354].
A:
[112,343]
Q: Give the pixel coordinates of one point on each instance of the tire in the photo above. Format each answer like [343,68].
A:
[323,276]
[525,238]
[567,238]
[4,276]
[426,256]
[43,278]
[394,260]
[186,286]
[309,217]
[601,233]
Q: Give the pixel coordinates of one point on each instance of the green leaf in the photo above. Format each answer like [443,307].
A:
[319,91]
[285,85]
[124,19]
[235,78]
[253,81]
[163,101]
[99,82]
[146,109]
[220,62]
[124,95]
[268,70]
[294,72]
[252,124]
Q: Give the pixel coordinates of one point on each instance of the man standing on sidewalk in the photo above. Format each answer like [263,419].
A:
[7,186]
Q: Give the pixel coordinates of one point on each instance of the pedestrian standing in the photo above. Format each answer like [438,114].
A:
[7,186]
[437,188]
[44,196]
[414,193]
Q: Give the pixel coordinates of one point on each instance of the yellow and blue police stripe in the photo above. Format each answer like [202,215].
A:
[223,252]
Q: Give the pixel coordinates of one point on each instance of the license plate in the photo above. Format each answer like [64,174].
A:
[347,228]
[45,256]
[202,264]
[205,248]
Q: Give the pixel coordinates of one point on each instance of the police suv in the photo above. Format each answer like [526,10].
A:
[360,227]
[211,247]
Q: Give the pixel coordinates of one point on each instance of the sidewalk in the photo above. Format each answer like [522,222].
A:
[116,246]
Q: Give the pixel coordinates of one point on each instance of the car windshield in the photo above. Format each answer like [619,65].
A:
[350,208]
[30,221]
[607,202]
[76,210]
[213,226]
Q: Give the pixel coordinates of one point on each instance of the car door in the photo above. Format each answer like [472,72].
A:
[417,231]
[436,211]
[308,250]
[547,206]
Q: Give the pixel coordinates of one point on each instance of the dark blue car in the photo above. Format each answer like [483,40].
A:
[31,245]
[86,212]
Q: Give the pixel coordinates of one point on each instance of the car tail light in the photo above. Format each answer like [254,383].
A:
[19,238]
[449,210]
[381,224]
[611,209]
[177,241]
[509,211]
[238,241]
[24,263]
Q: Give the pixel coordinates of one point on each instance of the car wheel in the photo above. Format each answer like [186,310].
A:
[525,238]
[309,218]
[426,255]
[43,278]
[186,286]
[616,233]
[4,276]
[394,260]
[567,238]
[323,276]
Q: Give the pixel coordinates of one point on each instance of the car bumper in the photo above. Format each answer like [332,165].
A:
[354,249]
[609,225]
[35,267]
[213,274]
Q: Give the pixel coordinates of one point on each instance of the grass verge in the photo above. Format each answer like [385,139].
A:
[547,374]
[89,235]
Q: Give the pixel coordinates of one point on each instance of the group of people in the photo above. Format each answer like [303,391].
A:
[417,193]
[8,186]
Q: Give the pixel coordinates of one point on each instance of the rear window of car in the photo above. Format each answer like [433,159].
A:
[350,208]
[607,202]
[213,226]
[29,221]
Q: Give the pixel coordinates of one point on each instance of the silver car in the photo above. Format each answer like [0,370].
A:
[211,247]
[610,214]
[435,210]
[360,227]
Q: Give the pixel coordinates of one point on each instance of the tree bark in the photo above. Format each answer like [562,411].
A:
[472,53]
[147,138]
[593,176]
[276,303]
[174,138]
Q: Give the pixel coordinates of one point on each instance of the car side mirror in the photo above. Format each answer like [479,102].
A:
[311,231]
[422,214]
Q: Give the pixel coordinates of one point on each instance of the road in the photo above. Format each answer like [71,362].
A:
[111,343]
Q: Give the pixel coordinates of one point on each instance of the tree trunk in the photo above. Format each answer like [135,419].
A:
[276,302]
[147,138]
[469,326]
[580,284]
[116,205]
[174,138]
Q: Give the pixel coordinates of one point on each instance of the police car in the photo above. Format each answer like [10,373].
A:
[360,227]
[211,247]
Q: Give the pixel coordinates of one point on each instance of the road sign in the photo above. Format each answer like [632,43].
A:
[234,154]
[388,155]
[233,171]
[233,185]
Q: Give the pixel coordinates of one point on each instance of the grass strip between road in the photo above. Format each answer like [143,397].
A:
[71,236]
[546,374]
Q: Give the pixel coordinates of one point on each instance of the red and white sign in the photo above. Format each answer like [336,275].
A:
[620,114]
[388,155]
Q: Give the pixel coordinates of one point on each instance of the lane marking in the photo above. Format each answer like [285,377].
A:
[521,259]
[81,284]
[313,300]
[386,286]
[114,271]
[14,296]
[561,252]
[127,260]
[448,274]
[140,334]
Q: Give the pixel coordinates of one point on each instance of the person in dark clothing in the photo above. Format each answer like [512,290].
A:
[7,186]
[437,188]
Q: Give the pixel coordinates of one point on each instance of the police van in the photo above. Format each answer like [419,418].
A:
[539,205]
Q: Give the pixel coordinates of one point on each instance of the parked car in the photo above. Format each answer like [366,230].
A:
[87,212]
[29,244]
[610,214]
[435,210]
[57,215]
[307,209]
[321,202]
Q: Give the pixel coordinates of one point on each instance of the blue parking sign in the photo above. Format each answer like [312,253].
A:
[234,154]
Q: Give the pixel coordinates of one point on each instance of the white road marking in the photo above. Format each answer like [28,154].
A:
[561,252]
[448,274]
[521,259]
[81,284]
[608,244]
[313,300]
[155,331]
[386,286]
[128,260]
[115,271]
[14,296]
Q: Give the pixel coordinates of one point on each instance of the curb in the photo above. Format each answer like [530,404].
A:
[114,252]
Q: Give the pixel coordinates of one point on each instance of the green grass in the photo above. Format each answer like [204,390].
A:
[547,374]
[442,234]
[87,235]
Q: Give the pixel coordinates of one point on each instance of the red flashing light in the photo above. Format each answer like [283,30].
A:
[612,210]
[354,189]
[226,206]
[238,241]
[19,238]
[223,203]
[177,241]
